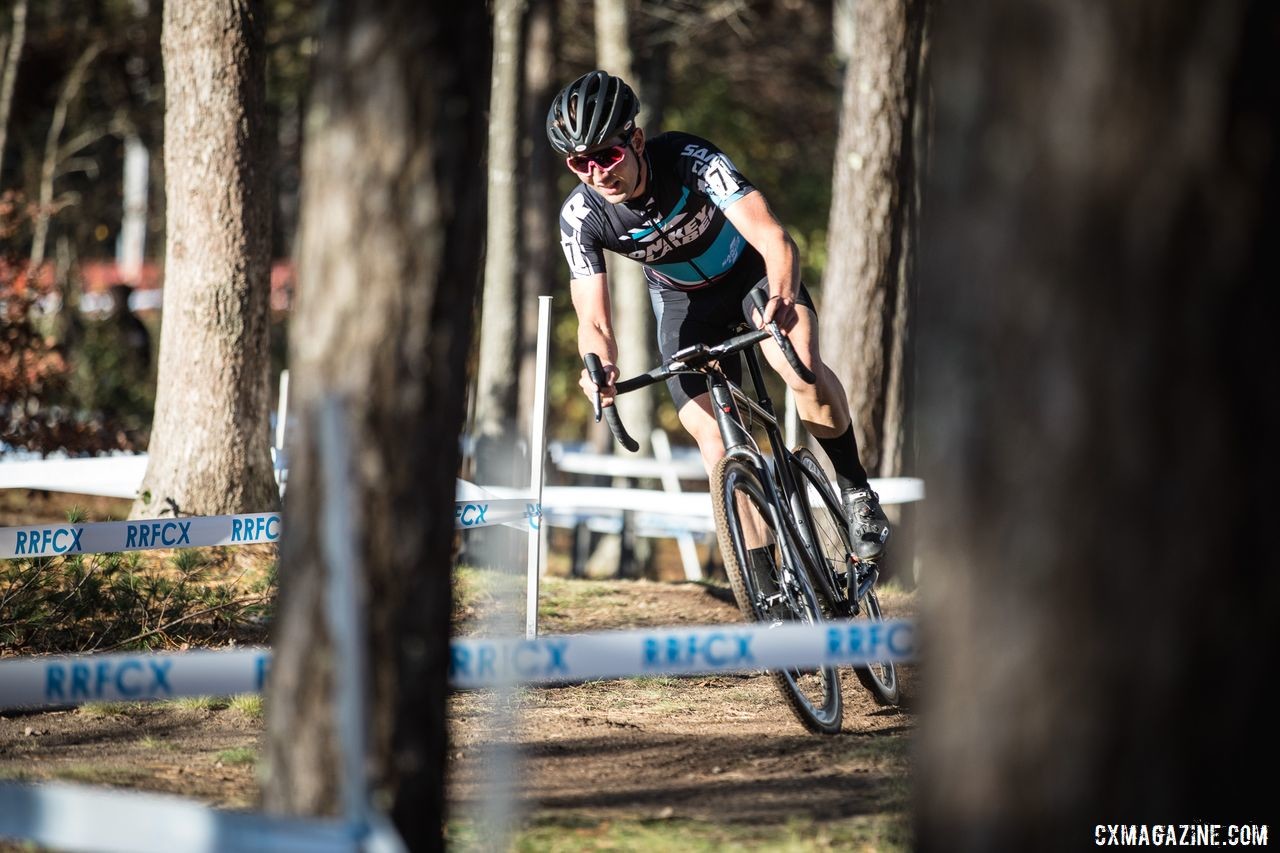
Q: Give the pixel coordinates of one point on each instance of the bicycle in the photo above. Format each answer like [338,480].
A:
[785,548]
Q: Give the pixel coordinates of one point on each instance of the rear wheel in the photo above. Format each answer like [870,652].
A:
[754,558]
[830,534]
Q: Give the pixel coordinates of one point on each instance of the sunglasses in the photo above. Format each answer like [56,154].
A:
[605,158]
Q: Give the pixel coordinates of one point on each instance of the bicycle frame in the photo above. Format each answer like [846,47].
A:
[727,402]
[727,398]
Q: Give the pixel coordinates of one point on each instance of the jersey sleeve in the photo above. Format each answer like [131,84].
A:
[707,169]
[582,249]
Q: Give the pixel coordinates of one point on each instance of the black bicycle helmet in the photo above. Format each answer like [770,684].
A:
[589,111]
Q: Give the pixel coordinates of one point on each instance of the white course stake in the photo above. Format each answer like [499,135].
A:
[537,458]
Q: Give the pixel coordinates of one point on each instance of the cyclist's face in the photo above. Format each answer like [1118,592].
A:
[619,181]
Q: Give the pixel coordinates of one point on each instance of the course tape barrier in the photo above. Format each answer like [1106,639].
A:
[79,817]
[61,681]
[56,540]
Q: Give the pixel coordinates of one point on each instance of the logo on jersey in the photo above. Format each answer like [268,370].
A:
[681,231]
[715,172]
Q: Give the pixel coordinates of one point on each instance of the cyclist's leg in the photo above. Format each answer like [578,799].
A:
[699,422]
[824,409]
[705,316]
[823,406]
[685,318]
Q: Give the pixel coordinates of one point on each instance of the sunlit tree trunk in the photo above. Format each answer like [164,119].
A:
[865,306]
[539,229]
[497,455]
[1099,422]
[210,442]
[389,258]
[497,382]
[632,314]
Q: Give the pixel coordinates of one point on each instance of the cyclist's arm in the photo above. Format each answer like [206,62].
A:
[759,227]
[595,329]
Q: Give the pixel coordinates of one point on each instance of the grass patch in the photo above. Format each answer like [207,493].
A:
[884,833]
[135,600]
[100,710]
[158,745]
[248,704]
[102,774]
[236,756]
[199,703]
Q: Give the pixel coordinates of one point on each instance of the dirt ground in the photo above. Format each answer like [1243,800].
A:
[719,752]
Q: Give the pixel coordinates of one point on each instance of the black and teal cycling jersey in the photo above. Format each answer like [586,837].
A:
[676,228]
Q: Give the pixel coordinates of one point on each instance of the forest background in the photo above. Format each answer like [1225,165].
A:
[90,86]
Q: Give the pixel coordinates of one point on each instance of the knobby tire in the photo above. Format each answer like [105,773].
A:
[733,478]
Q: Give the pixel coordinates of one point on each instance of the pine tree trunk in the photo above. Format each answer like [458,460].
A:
[389,259]
[864,320]
[498,461]
[498,374]
[1096,420]
[632,314]
[210,440]
[539,230]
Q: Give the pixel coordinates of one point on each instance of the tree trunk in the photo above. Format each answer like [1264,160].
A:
[497,387]
[632,314]
[389,257]
[539,235]
[210,441]
[1099,440]
[12,56]
[864,322]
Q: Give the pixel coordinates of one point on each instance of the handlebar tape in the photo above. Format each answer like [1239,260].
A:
[596,371]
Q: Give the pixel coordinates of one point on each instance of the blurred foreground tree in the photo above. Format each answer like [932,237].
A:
[1100,440]
[210,441]
[392,224]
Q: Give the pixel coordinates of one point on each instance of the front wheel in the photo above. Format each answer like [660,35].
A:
[831,545]
[768,589]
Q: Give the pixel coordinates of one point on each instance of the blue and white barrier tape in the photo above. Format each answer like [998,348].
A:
[474,663]
[56,540]
[78,817]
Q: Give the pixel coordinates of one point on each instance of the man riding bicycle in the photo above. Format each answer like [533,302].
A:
[706,238]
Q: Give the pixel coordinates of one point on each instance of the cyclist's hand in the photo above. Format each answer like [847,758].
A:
[607,392]
[781,310]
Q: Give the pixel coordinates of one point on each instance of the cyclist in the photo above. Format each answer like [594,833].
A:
[705,237]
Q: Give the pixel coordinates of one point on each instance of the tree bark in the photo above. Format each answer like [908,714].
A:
[498,461]
[864,318]
[392,225]
[210,440]
[497,381]
[1099,442]
[632,315]
[539,235]
[12,56]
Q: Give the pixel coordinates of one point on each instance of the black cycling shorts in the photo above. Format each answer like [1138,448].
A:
[706,316]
